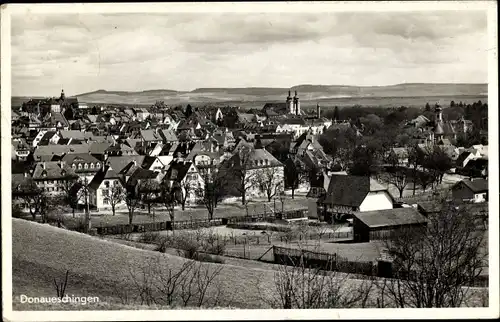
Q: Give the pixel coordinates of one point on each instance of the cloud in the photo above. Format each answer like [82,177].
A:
[188,50]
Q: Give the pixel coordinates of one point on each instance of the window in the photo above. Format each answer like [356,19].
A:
[73,166]
[97,165]
[105,201]
[79,166]
[92,165]
[86,166]
[106,184]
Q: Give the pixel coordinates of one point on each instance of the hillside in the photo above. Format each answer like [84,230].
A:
[328,95]
[307,93]
[99,267]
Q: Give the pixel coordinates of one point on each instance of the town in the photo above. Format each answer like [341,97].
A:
[278,184]
[271,161]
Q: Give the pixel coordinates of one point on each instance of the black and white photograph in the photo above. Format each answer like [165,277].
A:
[213,161]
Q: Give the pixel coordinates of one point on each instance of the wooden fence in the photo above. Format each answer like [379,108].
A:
[195,224]
[327,261]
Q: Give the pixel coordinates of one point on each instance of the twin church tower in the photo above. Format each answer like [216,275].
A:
[293,104]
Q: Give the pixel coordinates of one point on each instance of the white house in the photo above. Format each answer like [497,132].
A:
[185,176]
[261,169]
[101,187]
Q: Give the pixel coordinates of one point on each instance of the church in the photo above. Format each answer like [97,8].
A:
[290,107]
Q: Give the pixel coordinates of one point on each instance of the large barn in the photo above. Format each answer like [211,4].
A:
[370,225]
[348,194]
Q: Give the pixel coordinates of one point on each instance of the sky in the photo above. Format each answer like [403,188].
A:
[183,51]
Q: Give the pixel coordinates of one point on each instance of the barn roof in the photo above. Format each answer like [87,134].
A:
[391,217]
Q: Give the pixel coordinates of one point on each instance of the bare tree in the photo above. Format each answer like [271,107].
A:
[435,266]
[149,189]
[115,197]
[157,282]
[169,200]
[398,177]
[61,286]
[243,168]
[270,181]
[70,191]
[299,287]
[132,201]
[186,187]
[211,193]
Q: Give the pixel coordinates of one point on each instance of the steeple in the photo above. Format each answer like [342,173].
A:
[62,95]
[296,104]
[289,103]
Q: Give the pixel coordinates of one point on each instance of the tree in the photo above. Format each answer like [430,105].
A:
[69,188]
[189,110]
[363,162]
[243,170]
[270,181]
[295,173]
[398,177]
[299,286]
[149,189]
[424,178]
[434,265]
[186,187]
[439,161]
[212,191]
[116,196]
[35,198]
[132,200]
[427,107]
[336,115]
[169,200]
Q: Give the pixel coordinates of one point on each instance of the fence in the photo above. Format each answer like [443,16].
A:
[427,195]
[327,261]
[195,224]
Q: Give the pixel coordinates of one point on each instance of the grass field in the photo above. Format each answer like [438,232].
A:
[99,267]
[105,218]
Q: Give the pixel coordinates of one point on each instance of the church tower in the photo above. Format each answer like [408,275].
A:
[63,97]
[438,128]
[296,104]
[289,103]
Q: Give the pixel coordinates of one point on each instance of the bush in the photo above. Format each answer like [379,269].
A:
[17,212]
[150,237]
[203,257]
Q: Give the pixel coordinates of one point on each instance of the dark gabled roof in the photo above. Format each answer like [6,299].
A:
[477,185]
[464,155]
[120,162]
[141,174]
[347,190]
[106,172]
[390,217]
[148,161]
[177,170]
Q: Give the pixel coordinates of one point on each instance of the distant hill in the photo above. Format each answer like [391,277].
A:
[308,93]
